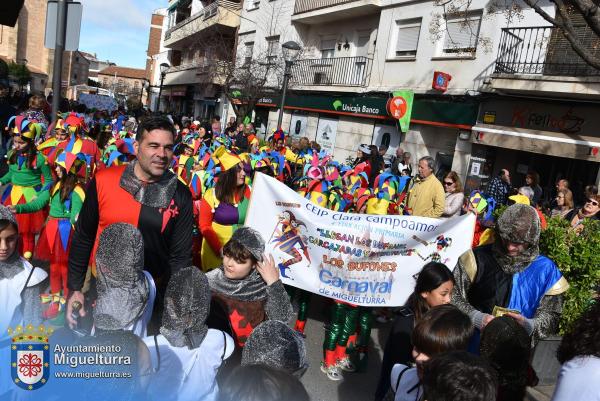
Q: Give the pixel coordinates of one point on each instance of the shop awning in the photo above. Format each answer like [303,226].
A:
[543,142]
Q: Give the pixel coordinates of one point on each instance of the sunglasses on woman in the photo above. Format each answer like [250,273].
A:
[593,202]
[448,183]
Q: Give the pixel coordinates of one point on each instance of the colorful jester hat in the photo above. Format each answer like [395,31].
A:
[192,142]
[384,190]
[277,135]
[71,162]
[225,158]
[356,178]
[259,161]
[74,124]
[337,201]
[185,168]
[119,152]
[361,196]
[21,126]
[316,169]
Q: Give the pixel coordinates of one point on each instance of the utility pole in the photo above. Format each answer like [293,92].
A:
[59,48]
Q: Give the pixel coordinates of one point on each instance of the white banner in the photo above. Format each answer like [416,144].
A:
[363,259]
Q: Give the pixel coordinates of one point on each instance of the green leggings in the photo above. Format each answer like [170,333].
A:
[344,318]
[303,300]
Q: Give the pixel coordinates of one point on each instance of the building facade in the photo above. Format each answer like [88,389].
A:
[200,37]
[356,53]
[96,65]
[24,44]
[156,54]
[75,69]
[124,82]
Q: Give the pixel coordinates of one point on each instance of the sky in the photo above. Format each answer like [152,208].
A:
[117,30]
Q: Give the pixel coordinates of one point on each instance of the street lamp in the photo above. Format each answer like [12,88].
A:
[163,71]
[290,51]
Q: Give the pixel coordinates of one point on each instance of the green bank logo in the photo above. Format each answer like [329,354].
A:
[357,107]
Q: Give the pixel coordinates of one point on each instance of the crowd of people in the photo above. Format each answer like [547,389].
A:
[142,222]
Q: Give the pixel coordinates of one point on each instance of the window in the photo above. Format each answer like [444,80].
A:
[248,50]
[105,82]
[327,48]
[407,40]
[272,49]
[461,34]
[74,76]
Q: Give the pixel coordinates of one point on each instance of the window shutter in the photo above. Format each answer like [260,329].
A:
[461,35]
[327,44]
[408,38]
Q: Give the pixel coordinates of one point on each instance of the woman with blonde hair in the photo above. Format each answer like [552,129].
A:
[454,195]
[564,203]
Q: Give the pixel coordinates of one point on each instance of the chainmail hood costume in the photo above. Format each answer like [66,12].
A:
[250,239]
[11,266]
[249,301]
[187,303]
[274,344]
[250,288]
[122,286]
[158,194]
[519,224]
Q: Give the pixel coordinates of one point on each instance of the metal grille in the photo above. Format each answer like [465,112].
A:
[335,71]
[545,51]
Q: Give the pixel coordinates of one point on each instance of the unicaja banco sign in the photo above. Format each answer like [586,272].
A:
[356,107]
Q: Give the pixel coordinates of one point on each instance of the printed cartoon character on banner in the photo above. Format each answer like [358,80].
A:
[442,243]
[287,238]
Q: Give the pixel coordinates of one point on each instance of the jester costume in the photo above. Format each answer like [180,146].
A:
[26,180]
[55,238]
[219,220]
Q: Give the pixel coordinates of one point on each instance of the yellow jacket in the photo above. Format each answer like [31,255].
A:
[426,197]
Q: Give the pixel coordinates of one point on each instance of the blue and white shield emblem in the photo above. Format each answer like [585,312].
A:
[30,365]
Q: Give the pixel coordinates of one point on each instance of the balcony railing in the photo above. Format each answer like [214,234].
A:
[303,6]
[544,51]
[336,71]
[207,12]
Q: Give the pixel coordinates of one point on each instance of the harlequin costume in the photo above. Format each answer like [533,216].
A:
[75,125]
[249,301]
[55,238]
[26,181]
[219,220]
